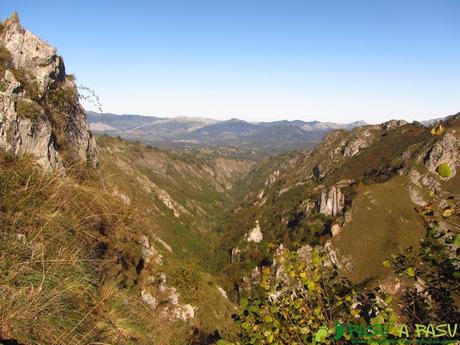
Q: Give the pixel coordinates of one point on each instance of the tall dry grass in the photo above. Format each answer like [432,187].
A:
[68,252]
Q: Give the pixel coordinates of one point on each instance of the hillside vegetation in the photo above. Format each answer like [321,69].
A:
[75,247]
[105,241]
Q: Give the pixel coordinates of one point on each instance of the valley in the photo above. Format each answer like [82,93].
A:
[228,233]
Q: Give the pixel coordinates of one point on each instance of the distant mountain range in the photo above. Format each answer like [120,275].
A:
[276,136]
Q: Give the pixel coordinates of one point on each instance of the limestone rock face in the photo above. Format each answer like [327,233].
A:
[255,234]
[336,229]
[21,136]
[392,124]
[331,201]
[446,150]
[32,54]
[358,143]
[40,113]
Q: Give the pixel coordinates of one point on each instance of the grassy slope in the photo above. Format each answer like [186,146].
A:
[70,247]
[200,183]
[63,245]
[383,223]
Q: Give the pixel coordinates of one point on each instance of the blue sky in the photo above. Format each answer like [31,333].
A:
[341,61]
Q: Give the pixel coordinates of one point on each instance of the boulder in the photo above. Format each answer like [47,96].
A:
[255,234]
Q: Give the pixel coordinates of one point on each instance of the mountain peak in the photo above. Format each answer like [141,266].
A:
[13,19]
[234,120]
[41,106]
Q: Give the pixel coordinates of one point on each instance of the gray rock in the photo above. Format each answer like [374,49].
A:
[32,54]
[392,124]
[446,150]
[363,139]
[336,229]
[37,134]
[331,201]
[415,196]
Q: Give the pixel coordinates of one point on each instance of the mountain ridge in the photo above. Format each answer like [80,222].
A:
[271,137]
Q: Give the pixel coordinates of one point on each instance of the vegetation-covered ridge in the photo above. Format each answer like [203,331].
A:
[377,204]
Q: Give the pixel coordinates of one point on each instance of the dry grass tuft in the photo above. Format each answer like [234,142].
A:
[67,261]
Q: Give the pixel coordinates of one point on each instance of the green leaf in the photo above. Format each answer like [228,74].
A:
[244,302]
[223,342]
[410,272]
[457,240]
[444,170]
[387,264]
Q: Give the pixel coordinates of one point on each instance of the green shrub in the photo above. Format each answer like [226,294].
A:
[28,83]
[307,304]
[5,60]
[28,109]
[5,57]
[444,170]
[60,103]
[62,99]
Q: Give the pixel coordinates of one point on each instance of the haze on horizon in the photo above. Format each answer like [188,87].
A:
[337,61]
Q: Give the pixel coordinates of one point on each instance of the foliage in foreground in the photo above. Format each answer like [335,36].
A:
[435,269]
[300,300]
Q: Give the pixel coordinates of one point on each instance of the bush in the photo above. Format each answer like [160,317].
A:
[6,59]
[444,170]
[61,103]
[27,109]
[303,308]
[28,83]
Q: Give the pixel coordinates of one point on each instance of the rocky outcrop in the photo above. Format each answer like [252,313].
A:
[363,139]
[22,135]
[349,144]
[447,151]
[272,178]
[393,124]
[40,113]
[255,234]
[336,229]
[415,196]
[165,300]
[33,55]
[331,201]
[235,255]
[155,292]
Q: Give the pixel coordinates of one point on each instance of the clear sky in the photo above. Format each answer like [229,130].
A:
[341,61]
